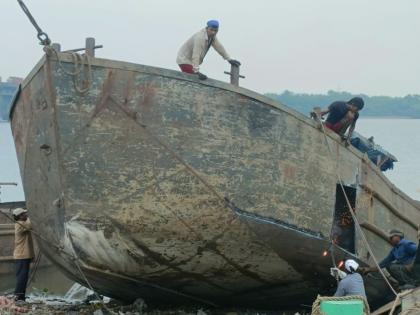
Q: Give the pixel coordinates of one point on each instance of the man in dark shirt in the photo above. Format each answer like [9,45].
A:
[341,115]
[399,260]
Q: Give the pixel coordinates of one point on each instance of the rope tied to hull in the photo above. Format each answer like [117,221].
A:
[316,306]
[81,63]
[42,36]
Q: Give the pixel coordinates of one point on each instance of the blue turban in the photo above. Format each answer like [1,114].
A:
[213,24]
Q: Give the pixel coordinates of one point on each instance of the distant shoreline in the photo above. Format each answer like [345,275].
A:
[361,117]
[387,117]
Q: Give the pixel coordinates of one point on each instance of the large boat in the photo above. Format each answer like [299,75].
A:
[147,182]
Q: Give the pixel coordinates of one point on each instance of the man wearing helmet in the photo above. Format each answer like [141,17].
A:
[192,53]
[342,115]
[352,283]
[399,260]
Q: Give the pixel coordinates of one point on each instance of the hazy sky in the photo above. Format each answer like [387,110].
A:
[361,46]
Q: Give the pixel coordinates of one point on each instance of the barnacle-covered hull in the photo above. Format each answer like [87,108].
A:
[153,184]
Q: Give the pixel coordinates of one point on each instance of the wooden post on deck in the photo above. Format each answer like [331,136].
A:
[56,47]
[234,75]
[90,46]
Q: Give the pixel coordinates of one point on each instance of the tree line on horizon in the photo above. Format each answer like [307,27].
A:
[375,106]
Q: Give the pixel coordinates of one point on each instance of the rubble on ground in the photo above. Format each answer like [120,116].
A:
[57,306]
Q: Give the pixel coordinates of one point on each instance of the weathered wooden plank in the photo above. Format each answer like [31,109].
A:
[6,259]
[411,301]
[386,308]
[7,232]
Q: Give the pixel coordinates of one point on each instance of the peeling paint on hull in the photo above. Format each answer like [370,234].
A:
[176,190]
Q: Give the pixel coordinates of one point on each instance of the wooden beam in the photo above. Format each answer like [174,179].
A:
[7,232]
[7,226]
[374,229]
[394,210]
[411,300]
[6,258]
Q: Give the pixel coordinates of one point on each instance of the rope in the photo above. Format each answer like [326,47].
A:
[42,36]
[340,181]
[316,306]
[81,62]
[79,268]
[35,267]
[415,307]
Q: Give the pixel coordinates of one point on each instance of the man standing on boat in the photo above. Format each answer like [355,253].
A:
[24,251]
[192,53]
[341,116]
[399,261]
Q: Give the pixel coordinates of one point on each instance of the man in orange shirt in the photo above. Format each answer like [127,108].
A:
[24,251]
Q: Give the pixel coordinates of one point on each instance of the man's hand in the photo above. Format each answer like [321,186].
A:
[366,270]
[316,113]
[234,62]
[363,270]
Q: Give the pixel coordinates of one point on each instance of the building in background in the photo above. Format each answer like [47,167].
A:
[7,90]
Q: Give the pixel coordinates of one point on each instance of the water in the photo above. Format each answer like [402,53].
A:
[398,136]
[9,169]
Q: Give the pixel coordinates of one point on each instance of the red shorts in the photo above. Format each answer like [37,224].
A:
[186,68]
[334,127]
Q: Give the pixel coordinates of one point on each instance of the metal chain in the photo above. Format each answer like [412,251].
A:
[42,36]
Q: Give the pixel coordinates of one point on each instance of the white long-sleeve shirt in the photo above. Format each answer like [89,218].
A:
[195,48]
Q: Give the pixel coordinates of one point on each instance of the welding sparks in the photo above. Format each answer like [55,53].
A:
[325,253]
[340,264]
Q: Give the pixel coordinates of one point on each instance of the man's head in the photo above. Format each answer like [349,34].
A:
[356,104]
[212,28]
[20,214]
[351,266]
[395,237]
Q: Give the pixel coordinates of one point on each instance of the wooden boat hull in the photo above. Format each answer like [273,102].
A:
[176,190]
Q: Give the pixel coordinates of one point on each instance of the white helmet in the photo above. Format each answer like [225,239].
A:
[350,265]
